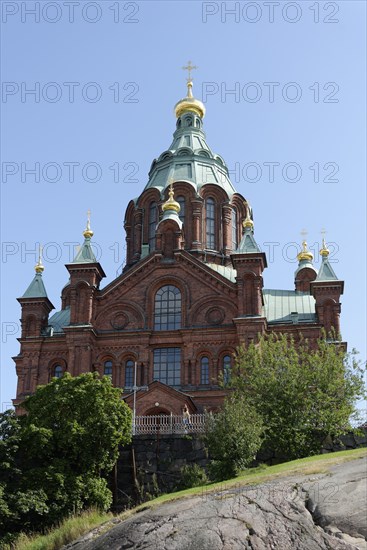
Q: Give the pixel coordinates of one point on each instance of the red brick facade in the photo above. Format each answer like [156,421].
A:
[222,303]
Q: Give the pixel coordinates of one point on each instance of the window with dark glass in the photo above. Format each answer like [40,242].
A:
[167,308]
[153,215]
[181,202]
[226,369]
[107,368]
[210,223]
[234,229]
[167,366]
[129,373]
[58,371]
[204,370]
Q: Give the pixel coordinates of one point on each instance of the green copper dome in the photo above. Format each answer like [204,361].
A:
[189,158]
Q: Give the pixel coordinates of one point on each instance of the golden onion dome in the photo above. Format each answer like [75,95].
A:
[39,267]
[189,104]
[88,233]
[247,222]
[171,204]
[305,254]
[324,252]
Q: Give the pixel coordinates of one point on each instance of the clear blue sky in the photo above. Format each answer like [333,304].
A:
[304,62]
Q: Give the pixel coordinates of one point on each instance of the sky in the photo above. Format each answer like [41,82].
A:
[88,90]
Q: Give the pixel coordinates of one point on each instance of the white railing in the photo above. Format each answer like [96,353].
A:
[169,424]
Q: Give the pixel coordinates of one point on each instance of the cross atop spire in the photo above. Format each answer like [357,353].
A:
[88,233]
[189,68]
[39,268]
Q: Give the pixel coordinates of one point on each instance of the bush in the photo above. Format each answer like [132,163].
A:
[233,437]
[192,475]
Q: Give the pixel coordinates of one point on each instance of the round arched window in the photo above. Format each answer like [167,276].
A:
[58,371]
[167,308]
[226,369]
[129,373]
[107,371]
[204,370]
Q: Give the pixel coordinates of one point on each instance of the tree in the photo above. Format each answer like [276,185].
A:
[302,393]
[233,436]
[54,459]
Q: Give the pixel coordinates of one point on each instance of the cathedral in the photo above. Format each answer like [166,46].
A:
[192,290]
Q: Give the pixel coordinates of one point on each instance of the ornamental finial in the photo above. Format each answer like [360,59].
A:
[247,221]
[39,267]
[171,204]
[305,254]
[189,103]
[88,233]
[324,251]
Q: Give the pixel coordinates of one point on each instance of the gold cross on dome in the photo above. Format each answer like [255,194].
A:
[323,232]
[189,68]
[88,218]
[304,233]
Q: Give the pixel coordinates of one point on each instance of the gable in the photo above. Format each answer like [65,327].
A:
[128,302]
[160,398]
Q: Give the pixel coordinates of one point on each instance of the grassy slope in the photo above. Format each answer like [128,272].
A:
[76,527]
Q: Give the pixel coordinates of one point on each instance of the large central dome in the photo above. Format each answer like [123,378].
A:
[189,158]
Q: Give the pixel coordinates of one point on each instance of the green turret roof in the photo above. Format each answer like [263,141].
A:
[248,244]
[36,289]
[326,272]
[85,255]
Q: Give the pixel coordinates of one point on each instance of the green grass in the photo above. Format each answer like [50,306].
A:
[303,466]
[74,528]
[68,531]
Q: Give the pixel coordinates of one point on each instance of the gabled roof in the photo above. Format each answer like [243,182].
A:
[289,306]
[59,320]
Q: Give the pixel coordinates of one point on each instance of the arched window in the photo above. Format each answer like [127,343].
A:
[210,223]
[107,371]
[129,373]
[152,225]
[181,202]
[226,369]
[167,308]
[204,370]
[58,371]
[234,229]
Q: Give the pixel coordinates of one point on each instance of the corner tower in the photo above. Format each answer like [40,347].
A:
[211,211]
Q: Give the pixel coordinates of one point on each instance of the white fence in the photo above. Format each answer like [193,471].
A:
[169,424]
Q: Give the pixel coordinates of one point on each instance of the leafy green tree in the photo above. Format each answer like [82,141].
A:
[302,393]
[233,436]
[54,459]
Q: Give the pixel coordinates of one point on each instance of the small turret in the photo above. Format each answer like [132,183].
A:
[305,273]
[85,276]
[327,289]
[249,262]
[35,304]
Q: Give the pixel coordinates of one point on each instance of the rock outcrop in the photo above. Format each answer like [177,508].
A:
[324,511]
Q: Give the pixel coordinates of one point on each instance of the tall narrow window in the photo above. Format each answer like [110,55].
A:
[58,371]
[210,223]
[204,370]
[129,373]
[108,368]
[234,229]
[181,202]
[167,308]
[226,369]
[152,225]
[167,366]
